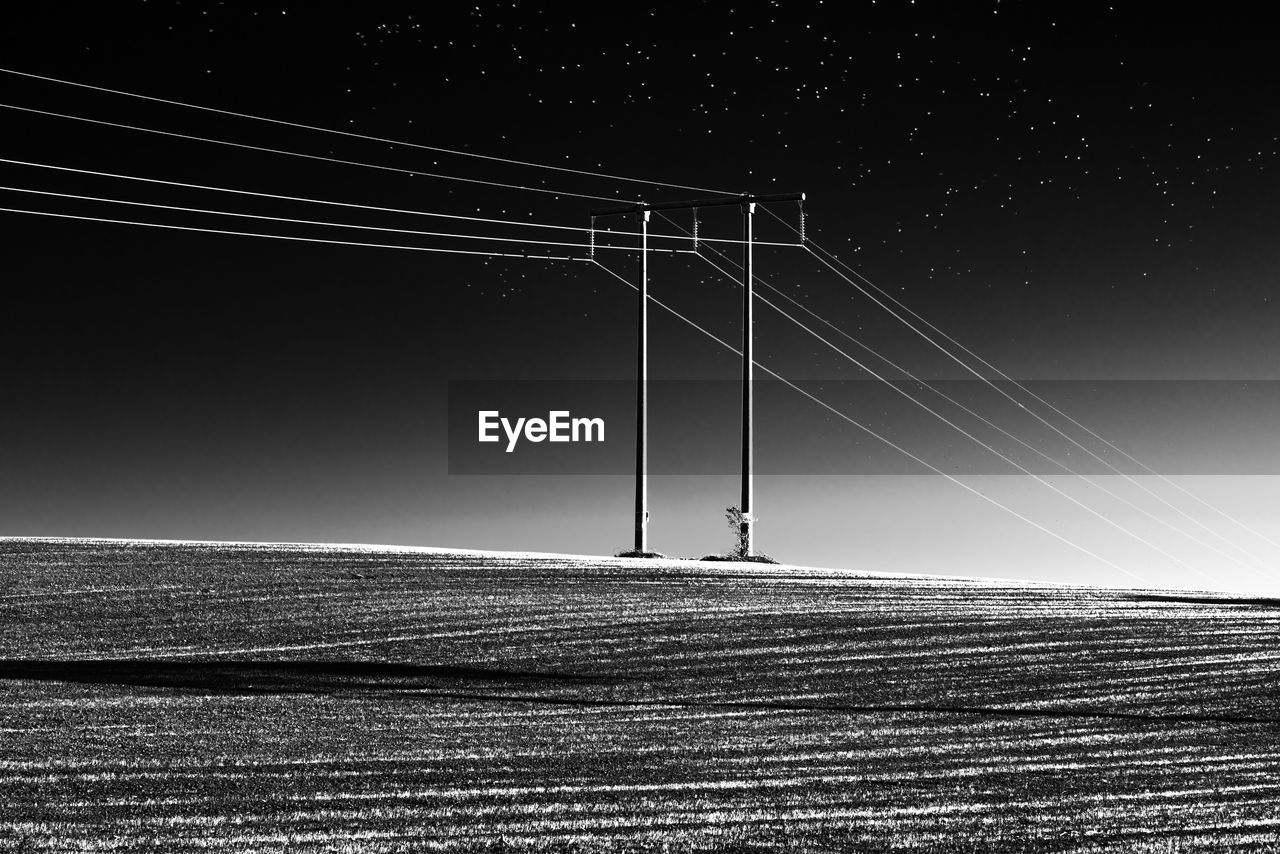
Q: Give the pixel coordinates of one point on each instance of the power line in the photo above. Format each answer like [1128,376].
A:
[1039,417]
[1036,397]
[769,371]
[353,135]
[974,438]
[406,231]
[375,208]
[331,242]
[881,438]
[280,197]
[1160,520]
[319,157]
[293,221]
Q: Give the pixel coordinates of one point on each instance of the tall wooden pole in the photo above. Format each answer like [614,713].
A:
[748,204]
[746,532]
[642,395]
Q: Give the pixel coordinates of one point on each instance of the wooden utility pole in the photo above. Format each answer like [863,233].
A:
[745,527]
[642,395]
[748,204]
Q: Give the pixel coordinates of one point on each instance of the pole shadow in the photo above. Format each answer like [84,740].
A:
[272,677]
[1253,602]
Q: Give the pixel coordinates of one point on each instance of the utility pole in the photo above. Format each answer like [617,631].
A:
[748,204]
[642,396]
[745,529]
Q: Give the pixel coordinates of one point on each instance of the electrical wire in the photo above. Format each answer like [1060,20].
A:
[1042,481]
[374,208]
[353,135]
[881,438]
[292,221]
[1066,469]
[462,236]
[279,197]
[767,370]
[318,157]
[1129,478]
[331,242]
[1046,422]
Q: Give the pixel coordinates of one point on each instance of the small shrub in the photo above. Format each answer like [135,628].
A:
[733,515]
[634,553]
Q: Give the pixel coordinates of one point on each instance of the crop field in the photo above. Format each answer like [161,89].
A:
[195,697]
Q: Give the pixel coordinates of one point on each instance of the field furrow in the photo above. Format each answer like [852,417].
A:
[192,697]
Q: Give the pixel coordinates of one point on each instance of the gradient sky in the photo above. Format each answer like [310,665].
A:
[1081,194]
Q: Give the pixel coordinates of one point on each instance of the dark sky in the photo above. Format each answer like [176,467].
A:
[1079,192]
